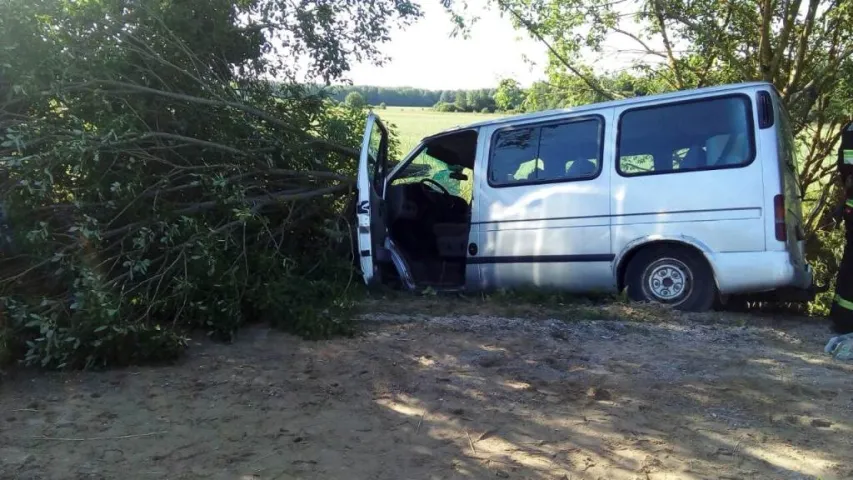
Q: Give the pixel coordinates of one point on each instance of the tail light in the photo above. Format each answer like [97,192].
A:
[779,217]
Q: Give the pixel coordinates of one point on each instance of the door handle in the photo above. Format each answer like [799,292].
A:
[472,249]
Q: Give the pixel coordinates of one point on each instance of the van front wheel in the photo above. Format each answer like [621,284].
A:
[671,276]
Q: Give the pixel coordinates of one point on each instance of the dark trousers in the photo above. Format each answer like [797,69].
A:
[842,306]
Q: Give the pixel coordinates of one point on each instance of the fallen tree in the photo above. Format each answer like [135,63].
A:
[156,180]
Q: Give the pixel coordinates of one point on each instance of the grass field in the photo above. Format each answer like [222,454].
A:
[411,124]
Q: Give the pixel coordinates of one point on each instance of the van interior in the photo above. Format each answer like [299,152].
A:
[428,209]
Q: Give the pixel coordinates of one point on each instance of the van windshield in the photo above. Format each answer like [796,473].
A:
[447,161]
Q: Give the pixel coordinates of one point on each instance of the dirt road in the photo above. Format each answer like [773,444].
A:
[419,397]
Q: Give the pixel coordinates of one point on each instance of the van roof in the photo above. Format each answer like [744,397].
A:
[612,103]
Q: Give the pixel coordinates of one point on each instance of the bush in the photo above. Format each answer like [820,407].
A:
[355,100]
[86,341]
[486,110]
[445,107]
[824,255]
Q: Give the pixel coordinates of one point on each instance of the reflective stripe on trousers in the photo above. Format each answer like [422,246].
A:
[843,303]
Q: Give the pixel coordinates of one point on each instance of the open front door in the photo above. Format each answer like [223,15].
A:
[371,177]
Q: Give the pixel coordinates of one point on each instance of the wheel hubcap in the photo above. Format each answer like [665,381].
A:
[668,280]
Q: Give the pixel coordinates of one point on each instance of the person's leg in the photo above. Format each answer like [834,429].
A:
[842,324]
[842,307]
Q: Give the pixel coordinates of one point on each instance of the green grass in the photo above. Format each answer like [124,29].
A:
[529,304]
[411,124]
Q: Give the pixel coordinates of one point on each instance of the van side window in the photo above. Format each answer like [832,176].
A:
[546,153]
[514,156]
[698,135]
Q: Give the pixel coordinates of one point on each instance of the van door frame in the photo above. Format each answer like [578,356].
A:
[472,271]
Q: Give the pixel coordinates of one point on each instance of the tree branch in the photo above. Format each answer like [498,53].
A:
[713,52]
[194,141]
[223,103]
[765,56]
[789,21]
[265,200]
[673,64]
[802,45]
[637,39]
[595,86]
[727,53]
[256,202]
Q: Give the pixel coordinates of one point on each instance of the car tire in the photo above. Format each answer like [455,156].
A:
[737,303]
[672,276]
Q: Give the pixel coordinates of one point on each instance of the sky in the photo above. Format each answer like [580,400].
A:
[424,55]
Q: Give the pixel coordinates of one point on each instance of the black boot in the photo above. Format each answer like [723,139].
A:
[842,319]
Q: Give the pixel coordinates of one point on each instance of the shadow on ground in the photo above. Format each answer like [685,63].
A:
[453,397]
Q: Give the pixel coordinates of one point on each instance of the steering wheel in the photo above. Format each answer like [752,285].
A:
[434,186]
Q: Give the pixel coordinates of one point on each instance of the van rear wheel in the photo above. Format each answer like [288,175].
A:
[671,276]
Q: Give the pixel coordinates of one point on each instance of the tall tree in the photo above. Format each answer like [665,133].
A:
[355,100]
[462,101]
[508,95]
[803,47]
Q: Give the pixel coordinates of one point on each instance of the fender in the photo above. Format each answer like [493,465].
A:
[649,239]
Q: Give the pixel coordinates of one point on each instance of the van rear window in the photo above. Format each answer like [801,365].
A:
[704,134]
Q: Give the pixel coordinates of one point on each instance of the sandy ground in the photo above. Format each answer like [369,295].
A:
[419,397]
